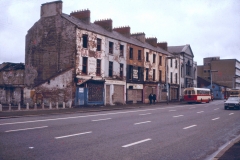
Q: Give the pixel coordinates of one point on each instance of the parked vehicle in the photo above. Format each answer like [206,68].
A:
[233,102]
[232,92]
[197,95]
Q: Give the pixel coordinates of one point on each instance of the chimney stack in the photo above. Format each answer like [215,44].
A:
[51,9]
[123,30]
[139,36]
[163,45]
[105,23]
[83,15]
[152,41]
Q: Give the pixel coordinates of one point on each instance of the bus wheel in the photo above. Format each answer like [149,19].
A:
[208,101]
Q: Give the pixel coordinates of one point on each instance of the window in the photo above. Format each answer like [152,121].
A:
[153,74]
[181,71]
[170,62]
[98,70]
[99,42]
[147,57]
[121,50]
[110,69]
[154,58]
[204,71]
[130,72]
[160,60]
[139,73]
[171,78]
[121,70]
[175,78]
[160,75]
[111,47]
[131,53]
[84,65]
[85,41]
[175,63]
[139,55]
[146,73]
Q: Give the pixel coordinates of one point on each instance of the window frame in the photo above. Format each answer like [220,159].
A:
[131,53]
[154,58]
[121,48]
[154,77]
[121,70]
[99,44]
[110,69]
[147,71]
[98,67]
[139,55]
[147,57]
[84,65]
[85,41]
[110,47]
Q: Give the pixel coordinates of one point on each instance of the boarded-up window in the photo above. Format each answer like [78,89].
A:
[98,69]
[84,65]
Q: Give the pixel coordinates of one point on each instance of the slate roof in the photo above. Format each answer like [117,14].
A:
[8,66]
[112,34]
[177,49]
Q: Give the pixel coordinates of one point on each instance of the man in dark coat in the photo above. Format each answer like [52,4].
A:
[154,98]
[150,97]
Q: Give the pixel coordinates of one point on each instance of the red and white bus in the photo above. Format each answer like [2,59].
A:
[197,95]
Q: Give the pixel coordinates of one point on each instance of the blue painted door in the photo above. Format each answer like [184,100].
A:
[80,96]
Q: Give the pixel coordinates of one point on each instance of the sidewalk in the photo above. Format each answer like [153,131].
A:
[230,152]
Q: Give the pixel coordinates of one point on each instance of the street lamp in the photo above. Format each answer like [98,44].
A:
[167,74]
[211,76]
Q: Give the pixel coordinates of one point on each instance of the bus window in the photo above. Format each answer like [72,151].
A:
[189,92]
[185,92]
[193,92]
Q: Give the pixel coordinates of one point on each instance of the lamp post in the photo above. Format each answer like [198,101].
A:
[211,76]
[166,63]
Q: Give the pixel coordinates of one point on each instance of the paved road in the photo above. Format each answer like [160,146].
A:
[174,132]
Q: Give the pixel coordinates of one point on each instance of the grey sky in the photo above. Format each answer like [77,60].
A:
[211,27]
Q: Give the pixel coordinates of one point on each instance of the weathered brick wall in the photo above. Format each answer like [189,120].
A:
[11,95]
[50,49]
[58,89]
[12,77]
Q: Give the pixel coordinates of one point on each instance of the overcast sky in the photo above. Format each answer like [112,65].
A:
[211,27]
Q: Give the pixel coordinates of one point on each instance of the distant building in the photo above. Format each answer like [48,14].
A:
[187,67]
[225,72]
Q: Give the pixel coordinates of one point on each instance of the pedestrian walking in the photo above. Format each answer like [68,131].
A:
[154,98]
[150,97]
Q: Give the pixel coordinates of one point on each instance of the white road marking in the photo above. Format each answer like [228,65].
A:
[216,109]
[215,118]
[91,115]
[190,126]
[128,145]
[24,129]
[178,116]
[192,107]
[231,113]
[145,114]
[142,122]
[101,119]
[200,112]
[73,135]
[172,110]
[31,147]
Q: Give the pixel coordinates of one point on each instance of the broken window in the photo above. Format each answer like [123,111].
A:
[131,53]
[146,73]
[153,74]
[98,70]
[99,42]
[121,70]
[84,65]
[154,58]
[111,47]
[121,50]
[110,69]
[85,41]
[147,57]
[139,55]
